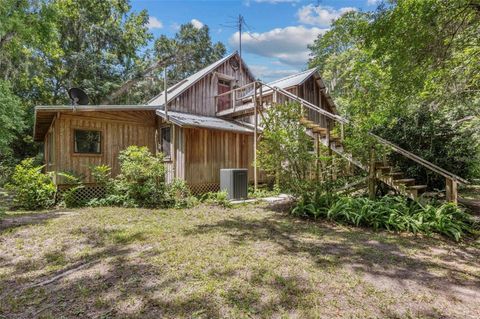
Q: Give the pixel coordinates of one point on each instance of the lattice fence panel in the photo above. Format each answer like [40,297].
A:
[199,189]
[85,194]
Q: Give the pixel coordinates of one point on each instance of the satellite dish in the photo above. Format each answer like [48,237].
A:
[78,96]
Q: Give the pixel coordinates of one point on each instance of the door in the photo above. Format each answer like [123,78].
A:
[224,101]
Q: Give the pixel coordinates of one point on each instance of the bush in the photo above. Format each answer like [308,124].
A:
[33,189]
[141,183]
[394,213]
[70,195]
[216,198]
[179,195]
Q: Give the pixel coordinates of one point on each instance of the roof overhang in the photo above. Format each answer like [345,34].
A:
[45,114]
[207,122]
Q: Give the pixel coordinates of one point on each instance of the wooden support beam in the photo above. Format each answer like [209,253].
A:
[255,133]
[372,175]
[174,151]
[451,190]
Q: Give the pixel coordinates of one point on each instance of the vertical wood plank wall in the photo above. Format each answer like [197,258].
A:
[207,151]
[119,130]
[200,98]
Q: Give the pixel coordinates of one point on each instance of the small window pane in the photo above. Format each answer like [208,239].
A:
[166,141]
[87,142]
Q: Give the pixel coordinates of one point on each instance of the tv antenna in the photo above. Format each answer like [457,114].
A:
[78,97]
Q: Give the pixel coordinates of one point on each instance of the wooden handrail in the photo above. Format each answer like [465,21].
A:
[342,120]
[421,161]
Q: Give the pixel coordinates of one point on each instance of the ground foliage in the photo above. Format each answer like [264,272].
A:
[408,68]
[395,213]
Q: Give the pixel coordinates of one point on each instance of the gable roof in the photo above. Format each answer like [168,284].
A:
[209,122]
[180,87]
[294,79]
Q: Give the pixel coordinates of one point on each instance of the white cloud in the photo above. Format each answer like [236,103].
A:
[154,23]
[320,15]
[288,45]
[268,74]
[197,23]
[372,2]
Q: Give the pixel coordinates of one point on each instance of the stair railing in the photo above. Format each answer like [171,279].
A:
[451,179]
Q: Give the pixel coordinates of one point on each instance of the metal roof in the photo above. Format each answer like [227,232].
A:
[192,120]
[175,90]
[50,108]
[294,79]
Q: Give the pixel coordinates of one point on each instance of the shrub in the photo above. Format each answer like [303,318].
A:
[394,213]
[141,183]
[142,177]
[33,189]
[179,195]
[216,198]
[70,195]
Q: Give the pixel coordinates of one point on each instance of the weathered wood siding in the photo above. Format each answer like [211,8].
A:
[175,166]
[118,131]
[207,151]
[200,97]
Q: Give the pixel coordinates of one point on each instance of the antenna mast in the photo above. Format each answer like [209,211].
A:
[241,21]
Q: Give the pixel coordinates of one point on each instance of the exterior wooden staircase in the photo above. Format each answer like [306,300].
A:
[248,100]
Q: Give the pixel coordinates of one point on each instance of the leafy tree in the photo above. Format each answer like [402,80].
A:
[285,150]
[387,68]
[192,49]
[11,116]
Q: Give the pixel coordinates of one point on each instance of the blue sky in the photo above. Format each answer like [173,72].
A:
[274,45]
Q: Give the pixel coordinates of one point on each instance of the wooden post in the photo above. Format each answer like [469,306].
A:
[372,175]
[317,162]
[174,151]
[255,181]
[165,92]
[451,190]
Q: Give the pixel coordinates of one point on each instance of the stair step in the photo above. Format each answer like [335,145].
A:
[320,130]
[406,181]
[383,167]
[417,187]
[394,175]
[311,125]
[305,121]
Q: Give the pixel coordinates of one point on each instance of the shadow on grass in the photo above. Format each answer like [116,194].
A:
[9,223]
[365,251]
[120,280]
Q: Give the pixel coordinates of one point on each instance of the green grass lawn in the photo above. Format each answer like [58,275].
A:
[208,262]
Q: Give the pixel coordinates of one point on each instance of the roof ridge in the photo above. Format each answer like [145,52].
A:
[184,80]
[292,75]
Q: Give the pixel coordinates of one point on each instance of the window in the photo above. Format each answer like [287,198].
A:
[87,142]
[166,141]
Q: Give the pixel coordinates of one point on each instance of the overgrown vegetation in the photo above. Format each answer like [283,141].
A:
[32,188]
[216,198]
[409,71]
[393,213]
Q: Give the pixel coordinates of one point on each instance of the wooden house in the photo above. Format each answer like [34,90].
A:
[205,122]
